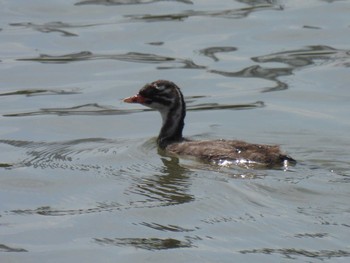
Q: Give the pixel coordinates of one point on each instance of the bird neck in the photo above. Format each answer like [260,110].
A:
[173,124]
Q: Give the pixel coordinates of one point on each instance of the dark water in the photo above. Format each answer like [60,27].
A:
[80,175]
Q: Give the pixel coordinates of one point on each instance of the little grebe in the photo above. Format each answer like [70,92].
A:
[166,97]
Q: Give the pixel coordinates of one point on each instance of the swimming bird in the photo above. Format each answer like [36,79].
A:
[166,97]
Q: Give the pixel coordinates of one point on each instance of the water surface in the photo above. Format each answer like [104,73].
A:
[81,178]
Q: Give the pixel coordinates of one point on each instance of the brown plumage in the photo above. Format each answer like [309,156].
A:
[238,152]
[167,98]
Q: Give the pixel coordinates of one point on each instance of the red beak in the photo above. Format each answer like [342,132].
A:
[135,99]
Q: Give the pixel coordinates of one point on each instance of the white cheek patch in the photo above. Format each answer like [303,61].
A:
[160,88]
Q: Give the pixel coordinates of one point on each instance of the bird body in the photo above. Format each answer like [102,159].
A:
[166,97]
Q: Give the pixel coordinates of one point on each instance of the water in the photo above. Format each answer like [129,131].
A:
[80,176]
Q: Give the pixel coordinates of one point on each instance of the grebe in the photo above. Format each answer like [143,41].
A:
[166,97]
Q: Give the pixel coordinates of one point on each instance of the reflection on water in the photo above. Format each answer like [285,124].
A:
[170,185]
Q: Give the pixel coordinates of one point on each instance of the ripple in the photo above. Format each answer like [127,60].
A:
[94,109]
[99,207]
[225,219]
[312,235]
[257,71]
[211,51]
[218,106]
[5,248]
[166,228]
[51,27]
[86,109]
[146,243]
[128,57]
[226,13]
[127,2]
[311,55]
[158,185]
[293,252]
[65,154]
[5,165]
[35,92]
[49,211]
